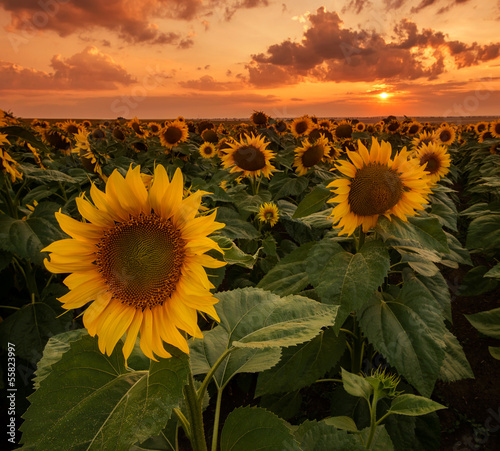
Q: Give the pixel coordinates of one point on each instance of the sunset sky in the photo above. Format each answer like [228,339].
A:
[158,59]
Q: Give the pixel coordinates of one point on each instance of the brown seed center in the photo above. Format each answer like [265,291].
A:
[141,259]
[374,190]
[249,158]
[172,135]
[313,155]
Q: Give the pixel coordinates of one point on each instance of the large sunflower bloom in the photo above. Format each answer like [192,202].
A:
[250,156]
[435,159]
[375,185]
[138,262]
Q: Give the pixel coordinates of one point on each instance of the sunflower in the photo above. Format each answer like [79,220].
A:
[310,154]
[485,134]
[393,126]
[173,133]
[70,127]
[435,159]
[119,134]
[343,130]
[259,118]
[481,127]
[280,126]
[7,163]
[301,126]
[374,185]
[154,127]
[413,128]
[136,126]
[268,213]
[423,138]
[210,135]
[250,156]
[208,150]
[138,262]
[495,128]
[445,135]
[360,126]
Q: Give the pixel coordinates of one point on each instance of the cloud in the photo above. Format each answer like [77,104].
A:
[88,70]
[328,51]
[133,22]
[208,83]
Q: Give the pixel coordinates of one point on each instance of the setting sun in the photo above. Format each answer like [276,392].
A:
[383,95]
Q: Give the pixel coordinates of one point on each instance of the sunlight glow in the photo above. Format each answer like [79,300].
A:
[383,95]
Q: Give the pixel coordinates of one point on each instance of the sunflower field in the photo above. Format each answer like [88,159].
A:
[266,284]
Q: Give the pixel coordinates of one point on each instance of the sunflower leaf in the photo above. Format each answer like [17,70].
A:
[408,331]
[255,318]
[312,202]
[345,279]
[250,428]
[289,276]
[91,400]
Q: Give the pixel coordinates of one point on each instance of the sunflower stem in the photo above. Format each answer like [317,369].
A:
[215,434]
[184,422]
[195,416]
[361,239]
[201,391]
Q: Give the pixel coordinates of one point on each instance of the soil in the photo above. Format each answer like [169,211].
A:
[472,420]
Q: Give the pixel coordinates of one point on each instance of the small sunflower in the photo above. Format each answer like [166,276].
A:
[210,135]
[422,138]
[414,127]
[310,154]
[70,127]
[435,159]
[485,134]
[374,185]
[259,118]
[137,127]
[7,163]
[119,134]
[154,127]
[249,156]
[343,130]
[173,133]
[445,135]
[138,263]
[280,126]
[481,127]
[269,213]
[495,128]
[301,126]
[393,126]
[207,150]
[360,126]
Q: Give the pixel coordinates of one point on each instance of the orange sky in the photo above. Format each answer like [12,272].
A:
[217,59]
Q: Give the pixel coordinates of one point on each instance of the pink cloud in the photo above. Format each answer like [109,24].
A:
[89,69]
[328,51]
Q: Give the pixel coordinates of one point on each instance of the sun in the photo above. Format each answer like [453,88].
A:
[383,95]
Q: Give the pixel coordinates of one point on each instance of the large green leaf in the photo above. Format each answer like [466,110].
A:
[302,365]
[90,401]
[312,202]
[346,279]
[235,225]
[381,439]
[320,436]
[488,323]
[484,233]
[205,353]
[417,233]
[252,428]
[413,405]
[408,331]
[233,255]
[30,327]
[26,238]
[455,364]
[256,318]
[53,352]
[289,276]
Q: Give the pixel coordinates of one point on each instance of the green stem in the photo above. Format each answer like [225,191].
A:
[329,380]
[184,422]
[208,377]
[361,240]
[373,420]
[195,416]
[215,434]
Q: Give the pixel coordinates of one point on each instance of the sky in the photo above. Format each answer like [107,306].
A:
[160,59]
